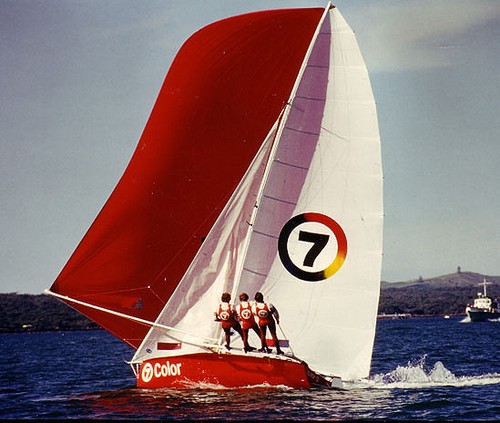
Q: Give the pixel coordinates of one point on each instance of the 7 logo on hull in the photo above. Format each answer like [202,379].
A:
[158,370]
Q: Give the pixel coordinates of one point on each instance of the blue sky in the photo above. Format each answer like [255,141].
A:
[78,79]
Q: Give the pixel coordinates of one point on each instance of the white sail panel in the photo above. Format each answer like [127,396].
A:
[213,271]
[328,162]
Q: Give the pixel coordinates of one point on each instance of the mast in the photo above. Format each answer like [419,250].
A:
[484,286]
[326,175]
[255,39]
[277,136]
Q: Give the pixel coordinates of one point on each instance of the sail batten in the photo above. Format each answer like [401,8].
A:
[281,200]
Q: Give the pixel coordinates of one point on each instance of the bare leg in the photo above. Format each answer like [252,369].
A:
[228,337]
[263,330]
[272,329]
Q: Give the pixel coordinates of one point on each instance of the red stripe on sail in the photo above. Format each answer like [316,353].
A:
[283,343]
[166,346]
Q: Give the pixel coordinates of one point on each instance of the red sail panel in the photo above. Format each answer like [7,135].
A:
[221,96]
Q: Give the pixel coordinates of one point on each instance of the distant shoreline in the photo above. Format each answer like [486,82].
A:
[441,296]
[99,329]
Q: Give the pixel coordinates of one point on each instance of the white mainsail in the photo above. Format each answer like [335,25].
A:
[213,271]
[323,182]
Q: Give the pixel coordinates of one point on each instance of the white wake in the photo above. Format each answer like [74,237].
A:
[417,375]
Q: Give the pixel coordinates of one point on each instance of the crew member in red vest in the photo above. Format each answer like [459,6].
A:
[245,314]
[227,316]
[266,314]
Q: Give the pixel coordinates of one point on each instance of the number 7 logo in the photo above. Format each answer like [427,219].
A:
[319,242]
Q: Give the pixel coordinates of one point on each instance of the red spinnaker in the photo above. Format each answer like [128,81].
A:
[221,96]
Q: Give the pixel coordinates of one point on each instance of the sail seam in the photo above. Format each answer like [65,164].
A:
[311,98]
[246,269]
[292,203]
[300,131]
[317,66]
[277,161]
[265,234]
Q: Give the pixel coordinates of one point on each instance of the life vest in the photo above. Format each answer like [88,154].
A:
[245,313]
[226,315]
[263,313]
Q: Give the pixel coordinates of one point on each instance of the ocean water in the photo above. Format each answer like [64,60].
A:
[422,369]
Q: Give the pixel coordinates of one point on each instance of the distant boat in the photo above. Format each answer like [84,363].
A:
[259,170]
[484,307]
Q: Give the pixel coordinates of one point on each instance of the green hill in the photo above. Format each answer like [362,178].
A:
[39,313]
[448,294]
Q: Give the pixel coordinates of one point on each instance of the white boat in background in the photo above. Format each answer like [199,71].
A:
[259,169]
[484,307]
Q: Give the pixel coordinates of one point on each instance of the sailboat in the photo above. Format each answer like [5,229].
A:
[259,170]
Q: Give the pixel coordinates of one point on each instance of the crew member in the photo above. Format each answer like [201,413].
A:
[227,316]
[245,314]
[266,314]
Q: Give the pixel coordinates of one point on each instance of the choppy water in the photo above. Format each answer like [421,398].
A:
[422,369]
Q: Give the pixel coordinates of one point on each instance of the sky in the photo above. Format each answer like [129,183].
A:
[78,79]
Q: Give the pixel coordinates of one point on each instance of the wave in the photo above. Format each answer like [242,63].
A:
[189,385]
[417,374]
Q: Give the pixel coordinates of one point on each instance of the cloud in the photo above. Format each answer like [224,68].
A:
[421,34]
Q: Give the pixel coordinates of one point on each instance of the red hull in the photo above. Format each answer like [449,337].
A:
[226,370]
